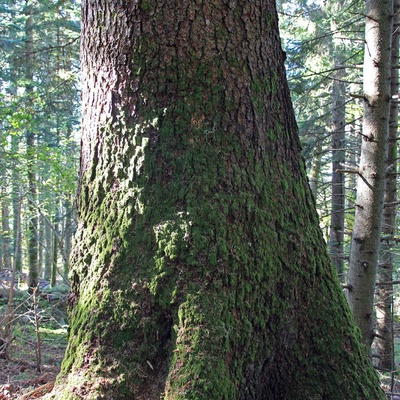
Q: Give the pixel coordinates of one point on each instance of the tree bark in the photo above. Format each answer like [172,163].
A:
[371,182]
[384,307]
[68,227]
[32,231]
[336,231]
[199,269]
[16,199]
[5,225]
[48,256]
[315,170]
[53,280]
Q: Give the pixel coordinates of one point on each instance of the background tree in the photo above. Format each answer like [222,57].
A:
[372,169]
[384,307]
[31,154]
[337,223]
[40,117]
[324,49]
[199,268]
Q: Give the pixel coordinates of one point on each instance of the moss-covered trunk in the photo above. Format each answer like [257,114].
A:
[199,269]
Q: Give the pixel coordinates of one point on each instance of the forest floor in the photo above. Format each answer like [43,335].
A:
[22,377]
[28,371]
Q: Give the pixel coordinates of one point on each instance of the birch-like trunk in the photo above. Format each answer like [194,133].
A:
[371,181]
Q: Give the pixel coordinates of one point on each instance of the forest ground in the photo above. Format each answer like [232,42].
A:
[20,378]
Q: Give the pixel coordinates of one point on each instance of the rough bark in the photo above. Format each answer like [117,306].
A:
[384,306]
[372,169]
[199,269]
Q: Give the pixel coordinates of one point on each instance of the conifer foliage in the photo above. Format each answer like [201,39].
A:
[39,117]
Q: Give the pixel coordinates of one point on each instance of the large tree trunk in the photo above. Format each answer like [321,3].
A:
[372,168]
[384,308]
[199,269]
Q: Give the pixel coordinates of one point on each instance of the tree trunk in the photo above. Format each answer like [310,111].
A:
[68,227]
[48,256]
[16,194]
[199,269]
[41,249]
[53,280]
[31,159]
[371,182]
[315,170]
[384,308]
[5,225]
[336,231]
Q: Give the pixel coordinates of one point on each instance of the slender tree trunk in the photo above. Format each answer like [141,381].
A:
[31,159]
[53,280]
[48,256]
[315,171]
[6,233]
[336,231]
[371,182]
[199,269]
[67,234]
[41,249]
[16,194]
[384,308]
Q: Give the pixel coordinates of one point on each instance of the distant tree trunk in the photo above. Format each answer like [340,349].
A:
[371,182]
[48,256]
[31,159]
[41,249]
[384,307]
[67,234]
[199,269]
[6,233]
[336,231]
[16,194]
[53,280]
[56,243]
[315,171]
